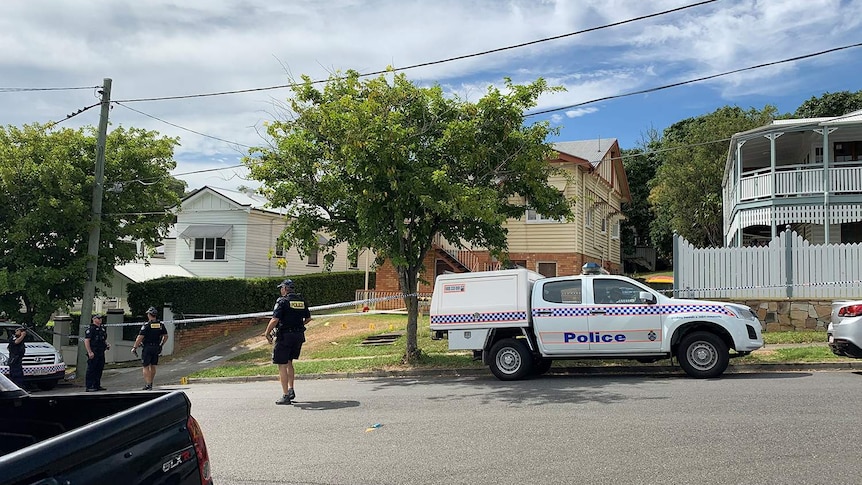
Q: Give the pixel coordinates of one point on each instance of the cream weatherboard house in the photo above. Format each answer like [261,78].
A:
[221,233]
[599,187]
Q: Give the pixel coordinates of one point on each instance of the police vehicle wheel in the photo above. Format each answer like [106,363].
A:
[541,366]
[511,359]
[703,355]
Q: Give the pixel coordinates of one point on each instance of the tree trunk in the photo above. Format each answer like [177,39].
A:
[408,279]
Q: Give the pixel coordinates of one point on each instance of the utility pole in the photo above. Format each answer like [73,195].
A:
[95,228]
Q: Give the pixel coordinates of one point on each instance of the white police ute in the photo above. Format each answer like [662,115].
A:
[520,322]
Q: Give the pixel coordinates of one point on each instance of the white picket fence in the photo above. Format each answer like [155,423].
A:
[789,267]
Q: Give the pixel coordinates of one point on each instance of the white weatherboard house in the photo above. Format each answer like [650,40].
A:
[792,195]
[222,233]
[806,173]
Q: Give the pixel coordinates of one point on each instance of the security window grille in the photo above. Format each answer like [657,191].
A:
[210,248]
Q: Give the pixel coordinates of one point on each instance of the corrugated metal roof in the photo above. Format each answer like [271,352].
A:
[139,272]
[590,150]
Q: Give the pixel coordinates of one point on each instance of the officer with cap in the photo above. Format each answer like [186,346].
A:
[289,318]
[96,342]
[151,337]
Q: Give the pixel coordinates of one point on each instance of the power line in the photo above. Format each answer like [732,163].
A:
[181,127]
[682,83]
[24,90]
[425,64]
[52,124]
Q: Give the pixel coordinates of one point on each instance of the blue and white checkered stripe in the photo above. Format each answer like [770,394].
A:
[489,317]
[628,310]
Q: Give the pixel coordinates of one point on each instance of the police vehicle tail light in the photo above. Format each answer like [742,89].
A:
[200,450]
[850,311]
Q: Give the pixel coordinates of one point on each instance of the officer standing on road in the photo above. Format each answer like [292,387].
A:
[16,356]
[151,337]
[96,342]
[289,318]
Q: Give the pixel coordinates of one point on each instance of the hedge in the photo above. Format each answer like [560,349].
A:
[232,296]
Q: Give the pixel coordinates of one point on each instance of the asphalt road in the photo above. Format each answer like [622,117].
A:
[770,428]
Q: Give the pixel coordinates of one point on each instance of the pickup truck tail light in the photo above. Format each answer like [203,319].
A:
[850,311]
[201,450]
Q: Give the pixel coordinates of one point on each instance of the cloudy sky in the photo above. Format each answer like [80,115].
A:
[165,48]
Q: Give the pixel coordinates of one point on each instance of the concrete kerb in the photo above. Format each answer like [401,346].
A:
[642,370]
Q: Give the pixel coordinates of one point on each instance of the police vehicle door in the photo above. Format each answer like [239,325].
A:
[619,321]
[560,318]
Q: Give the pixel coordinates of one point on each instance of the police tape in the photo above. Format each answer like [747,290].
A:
[220,318]
[761,287]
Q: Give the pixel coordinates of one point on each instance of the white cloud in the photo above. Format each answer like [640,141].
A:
[154,48]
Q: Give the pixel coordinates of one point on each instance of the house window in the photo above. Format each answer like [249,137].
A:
[279,249]
[312,257]
[847,151]
[604,225]
[353,260]
[533,216]
[547,269]
[615,230]
[588,219]
[210,248]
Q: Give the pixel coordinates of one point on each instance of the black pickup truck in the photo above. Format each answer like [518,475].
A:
[100,438]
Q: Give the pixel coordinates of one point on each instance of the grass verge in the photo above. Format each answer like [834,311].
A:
[335,345]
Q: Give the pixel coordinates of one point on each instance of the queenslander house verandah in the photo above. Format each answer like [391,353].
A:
[805,173]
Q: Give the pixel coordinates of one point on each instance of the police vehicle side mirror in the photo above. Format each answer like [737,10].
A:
[647,297]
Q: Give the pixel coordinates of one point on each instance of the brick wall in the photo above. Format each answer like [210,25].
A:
[189,337]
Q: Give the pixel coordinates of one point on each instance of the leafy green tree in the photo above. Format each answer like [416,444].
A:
[387,164]
[686,191]
[830,104]
[641,164]
[46,184]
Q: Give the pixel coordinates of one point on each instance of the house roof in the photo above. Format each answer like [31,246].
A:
[592,151]
[139,272]
[252,201]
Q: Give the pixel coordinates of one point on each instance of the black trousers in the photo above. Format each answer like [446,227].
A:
[16,374]
[95,366]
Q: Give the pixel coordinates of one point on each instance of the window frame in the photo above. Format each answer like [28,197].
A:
[219,245]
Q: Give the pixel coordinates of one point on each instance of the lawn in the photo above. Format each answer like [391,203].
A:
[334,345]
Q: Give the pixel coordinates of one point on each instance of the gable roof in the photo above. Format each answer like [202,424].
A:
[242,199]
[592,151]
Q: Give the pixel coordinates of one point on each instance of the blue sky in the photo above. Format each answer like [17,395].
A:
[156,48]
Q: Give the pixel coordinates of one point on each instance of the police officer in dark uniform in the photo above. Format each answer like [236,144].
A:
[289,318]
[96,342]
[16,356]
[151,337]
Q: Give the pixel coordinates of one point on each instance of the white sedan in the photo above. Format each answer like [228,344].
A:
[845,330]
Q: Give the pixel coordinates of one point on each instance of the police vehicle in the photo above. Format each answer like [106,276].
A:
[520,322]
[43,364]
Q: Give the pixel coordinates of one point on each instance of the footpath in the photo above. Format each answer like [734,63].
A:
[173,371]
